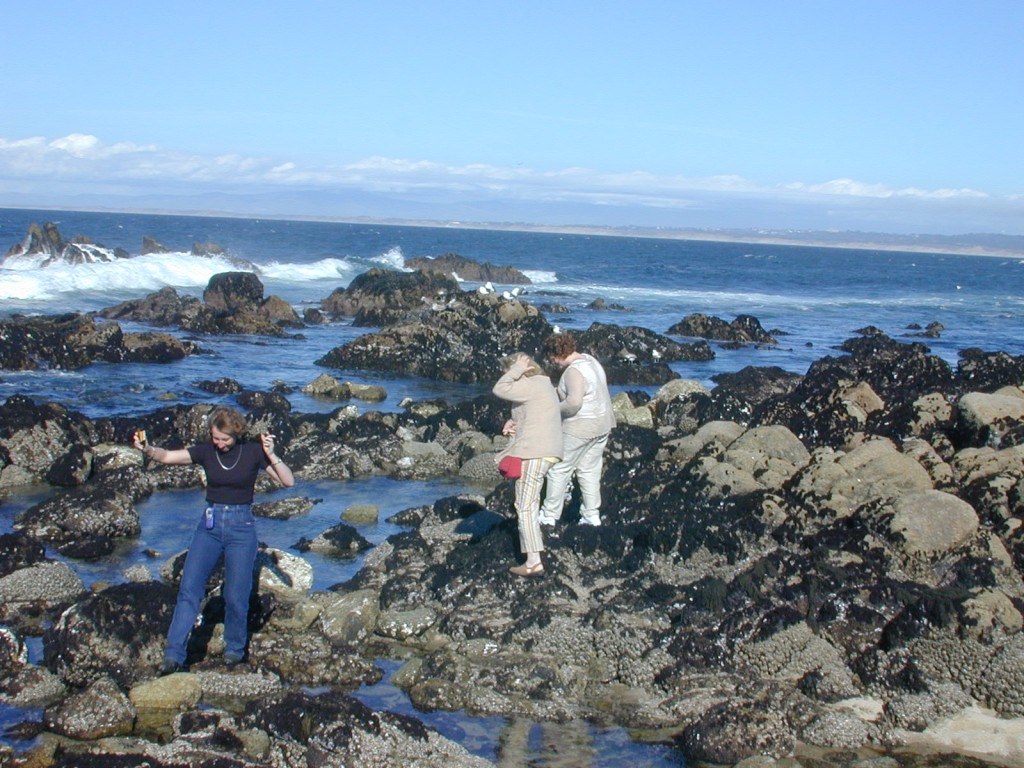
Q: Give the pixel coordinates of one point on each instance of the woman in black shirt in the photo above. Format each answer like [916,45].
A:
[226,527]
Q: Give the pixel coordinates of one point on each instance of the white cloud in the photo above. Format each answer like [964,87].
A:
[82,164]
[860,189]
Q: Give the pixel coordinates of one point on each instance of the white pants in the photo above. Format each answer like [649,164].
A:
[585,457]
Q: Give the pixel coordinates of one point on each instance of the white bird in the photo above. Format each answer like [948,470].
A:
[489,288]
[555,329]
[517,290]
[482,290]
[656,354]
[506,295]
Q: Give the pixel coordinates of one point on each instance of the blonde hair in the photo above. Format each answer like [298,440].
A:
[227,420]
[532,369]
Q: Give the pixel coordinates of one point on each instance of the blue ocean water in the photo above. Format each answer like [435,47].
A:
[815,297]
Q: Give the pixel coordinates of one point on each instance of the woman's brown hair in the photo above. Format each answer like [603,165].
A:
[227,420]
[559,345]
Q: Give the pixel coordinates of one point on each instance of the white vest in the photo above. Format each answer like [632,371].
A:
[595,416]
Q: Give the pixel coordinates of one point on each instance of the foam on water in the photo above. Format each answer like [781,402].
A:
[133,276]
[324,269]
[393,258]
[541,276]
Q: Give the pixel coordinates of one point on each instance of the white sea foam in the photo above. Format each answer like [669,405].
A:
[541,276]
[393,258]
[124,276]
[324,269]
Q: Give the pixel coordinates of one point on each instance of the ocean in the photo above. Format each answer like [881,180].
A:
[812,297]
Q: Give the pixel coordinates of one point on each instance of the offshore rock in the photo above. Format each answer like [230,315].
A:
[634,355]
[216,251]
[461,268]
[381,297]
[744,329]
[233,302]
[445,343]
[73,341]
[152,245]
[46,246]
[164,307]
[436,332]
[631,344]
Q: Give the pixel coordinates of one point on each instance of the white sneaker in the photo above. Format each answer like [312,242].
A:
[547,521]
[585,521]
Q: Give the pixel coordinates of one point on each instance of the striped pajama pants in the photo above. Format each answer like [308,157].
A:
[528,488]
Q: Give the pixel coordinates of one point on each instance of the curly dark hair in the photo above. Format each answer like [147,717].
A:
[559,345]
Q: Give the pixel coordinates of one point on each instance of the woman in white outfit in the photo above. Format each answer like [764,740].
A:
[587,419]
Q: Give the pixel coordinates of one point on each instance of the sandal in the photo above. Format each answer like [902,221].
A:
[527,570]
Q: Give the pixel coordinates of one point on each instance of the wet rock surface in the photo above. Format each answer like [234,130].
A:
[744,329]
[74,341]
[233,303]
[467,269]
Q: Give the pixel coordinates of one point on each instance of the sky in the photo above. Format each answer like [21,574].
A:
[861,115]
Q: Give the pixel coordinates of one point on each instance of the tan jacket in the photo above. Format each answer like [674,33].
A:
[536,414]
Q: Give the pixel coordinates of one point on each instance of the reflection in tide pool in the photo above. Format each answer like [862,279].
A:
[518,742]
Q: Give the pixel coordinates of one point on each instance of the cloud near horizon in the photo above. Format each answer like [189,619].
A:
[84,163]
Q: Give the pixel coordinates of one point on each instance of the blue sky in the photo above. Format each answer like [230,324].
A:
[871,115]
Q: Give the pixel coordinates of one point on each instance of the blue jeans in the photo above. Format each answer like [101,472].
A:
[233,535]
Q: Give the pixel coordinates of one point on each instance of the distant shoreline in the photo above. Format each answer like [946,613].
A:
[800,239]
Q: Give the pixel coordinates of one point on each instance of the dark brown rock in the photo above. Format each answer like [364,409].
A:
[744,329]
[452,264]
[381,297]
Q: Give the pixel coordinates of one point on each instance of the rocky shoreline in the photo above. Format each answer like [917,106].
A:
[827,562]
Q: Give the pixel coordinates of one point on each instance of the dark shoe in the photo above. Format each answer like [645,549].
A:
[527,570]
[169,667]
[233,662]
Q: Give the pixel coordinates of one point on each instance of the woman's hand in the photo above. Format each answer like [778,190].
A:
[139,439]
[509,429]
[277,469]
